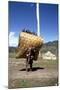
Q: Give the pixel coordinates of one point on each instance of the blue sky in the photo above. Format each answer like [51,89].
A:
[23,15]
[49,21]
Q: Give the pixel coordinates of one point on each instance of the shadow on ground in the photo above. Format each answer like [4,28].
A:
[33,69]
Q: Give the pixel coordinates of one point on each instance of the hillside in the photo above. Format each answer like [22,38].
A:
[12,49]
[50,46]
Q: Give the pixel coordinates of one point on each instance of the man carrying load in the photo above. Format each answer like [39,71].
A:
[30,57]
[28,47]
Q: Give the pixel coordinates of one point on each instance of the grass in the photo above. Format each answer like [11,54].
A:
[12,55]
[25,83]
[50,64]
[19,83]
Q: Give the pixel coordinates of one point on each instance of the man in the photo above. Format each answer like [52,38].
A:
[30,57]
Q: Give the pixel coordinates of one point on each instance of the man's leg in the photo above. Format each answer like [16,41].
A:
[31,62]
[27,64]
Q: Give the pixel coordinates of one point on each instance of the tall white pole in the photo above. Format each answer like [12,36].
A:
[37,14]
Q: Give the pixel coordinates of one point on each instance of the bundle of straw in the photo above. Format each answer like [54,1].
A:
[27,40]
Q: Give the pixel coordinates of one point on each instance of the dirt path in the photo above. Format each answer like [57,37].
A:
[17,71]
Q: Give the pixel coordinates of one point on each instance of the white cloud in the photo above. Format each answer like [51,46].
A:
[13,40]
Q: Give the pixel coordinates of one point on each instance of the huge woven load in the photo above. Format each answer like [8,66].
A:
[27,40]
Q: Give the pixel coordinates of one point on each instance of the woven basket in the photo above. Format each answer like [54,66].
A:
[27,40]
